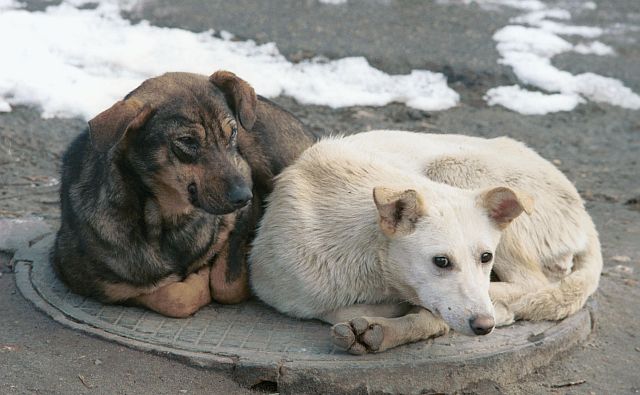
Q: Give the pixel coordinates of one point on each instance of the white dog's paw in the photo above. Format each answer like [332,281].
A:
[358,336]
[504,316]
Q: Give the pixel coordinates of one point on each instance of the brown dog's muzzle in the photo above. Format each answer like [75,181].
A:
[239,195]
[230,196]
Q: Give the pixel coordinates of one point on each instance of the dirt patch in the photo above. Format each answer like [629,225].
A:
[633,203]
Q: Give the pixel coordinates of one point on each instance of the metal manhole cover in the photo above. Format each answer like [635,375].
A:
[255,343]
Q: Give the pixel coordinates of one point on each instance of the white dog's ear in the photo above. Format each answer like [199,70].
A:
[399,210]
[505,204]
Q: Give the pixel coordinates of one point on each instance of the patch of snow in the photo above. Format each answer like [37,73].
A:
[571,30]
[606,90]
[521,39]
[67,73]
[531,102]
[538,71]
[540,19]
[594,48]
[535,17]
[352,81]
[10,4]
[332,1]
[4,106]
[527,5]
[529,50]
[225,35]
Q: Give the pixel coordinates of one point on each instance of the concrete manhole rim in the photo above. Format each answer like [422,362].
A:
[293,372]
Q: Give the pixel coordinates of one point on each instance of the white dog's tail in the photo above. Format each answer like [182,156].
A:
[562,299]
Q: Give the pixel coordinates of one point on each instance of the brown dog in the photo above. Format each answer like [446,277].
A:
[161,195]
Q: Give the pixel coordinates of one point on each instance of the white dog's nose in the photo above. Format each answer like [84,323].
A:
[482,324]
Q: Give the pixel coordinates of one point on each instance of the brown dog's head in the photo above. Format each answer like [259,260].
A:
[179,135]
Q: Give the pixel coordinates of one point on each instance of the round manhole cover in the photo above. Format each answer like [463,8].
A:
[256,344]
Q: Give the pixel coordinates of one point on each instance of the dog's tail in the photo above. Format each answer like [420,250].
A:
[559,300]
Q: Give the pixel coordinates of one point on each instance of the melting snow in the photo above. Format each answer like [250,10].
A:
[528,50]
[71,62]
[531,102]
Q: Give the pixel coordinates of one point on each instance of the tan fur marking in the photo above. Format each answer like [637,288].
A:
[120,292]
[227,125]
[179,299]
[223,291]
[202,133]
[171,199]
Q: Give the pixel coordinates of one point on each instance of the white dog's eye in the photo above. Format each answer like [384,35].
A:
[441,261]
[486,257]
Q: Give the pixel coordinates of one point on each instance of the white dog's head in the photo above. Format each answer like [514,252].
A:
[442,245]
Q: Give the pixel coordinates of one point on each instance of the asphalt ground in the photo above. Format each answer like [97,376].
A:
[597,146]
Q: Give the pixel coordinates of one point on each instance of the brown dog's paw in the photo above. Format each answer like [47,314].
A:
[358,336]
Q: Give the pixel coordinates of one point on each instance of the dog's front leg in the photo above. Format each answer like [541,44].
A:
[227,286]
[502,295]
[229,280]
[179,299]
[366,334]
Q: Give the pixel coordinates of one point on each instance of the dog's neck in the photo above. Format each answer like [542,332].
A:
[395,287]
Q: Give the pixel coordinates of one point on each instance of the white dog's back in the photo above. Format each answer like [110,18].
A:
[473,162]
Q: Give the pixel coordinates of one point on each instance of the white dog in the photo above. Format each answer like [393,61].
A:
[391,236]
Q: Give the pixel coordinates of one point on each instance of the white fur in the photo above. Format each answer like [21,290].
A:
[320,248]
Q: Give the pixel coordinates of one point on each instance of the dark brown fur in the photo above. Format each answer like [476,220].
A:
[156,190]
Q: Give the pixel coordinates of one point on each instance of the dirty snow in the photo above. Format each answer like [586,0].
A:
[528,46]
[9,4]
[525,5]
[595,48]
[74,62]
[531,102]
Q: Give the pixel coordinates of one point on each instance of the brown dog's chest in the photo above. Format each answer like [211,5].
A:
[189,245]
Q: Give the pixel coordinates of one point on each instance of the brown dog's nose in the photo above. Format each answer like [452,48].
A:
[482,324]
[239,195]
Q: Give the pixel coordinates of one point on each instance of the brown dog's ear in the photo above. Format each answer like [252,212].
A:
[398,211]
[239,94]
[505,204]
[109,127]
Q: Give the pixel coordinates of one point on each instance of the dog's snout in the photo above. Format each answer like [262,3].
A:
[239,195]
[482,324]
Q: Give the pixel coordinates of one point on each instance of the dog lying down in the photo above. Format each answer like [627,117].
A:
[161,194]
[391,236]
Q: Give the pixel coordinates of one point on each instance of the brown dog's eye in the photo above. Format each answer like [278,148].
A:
[486,257]
[186,148]
[188,141]
[234,136]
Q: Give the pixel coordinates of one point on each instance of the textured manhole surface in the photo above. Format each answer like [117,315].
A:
[256,344]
